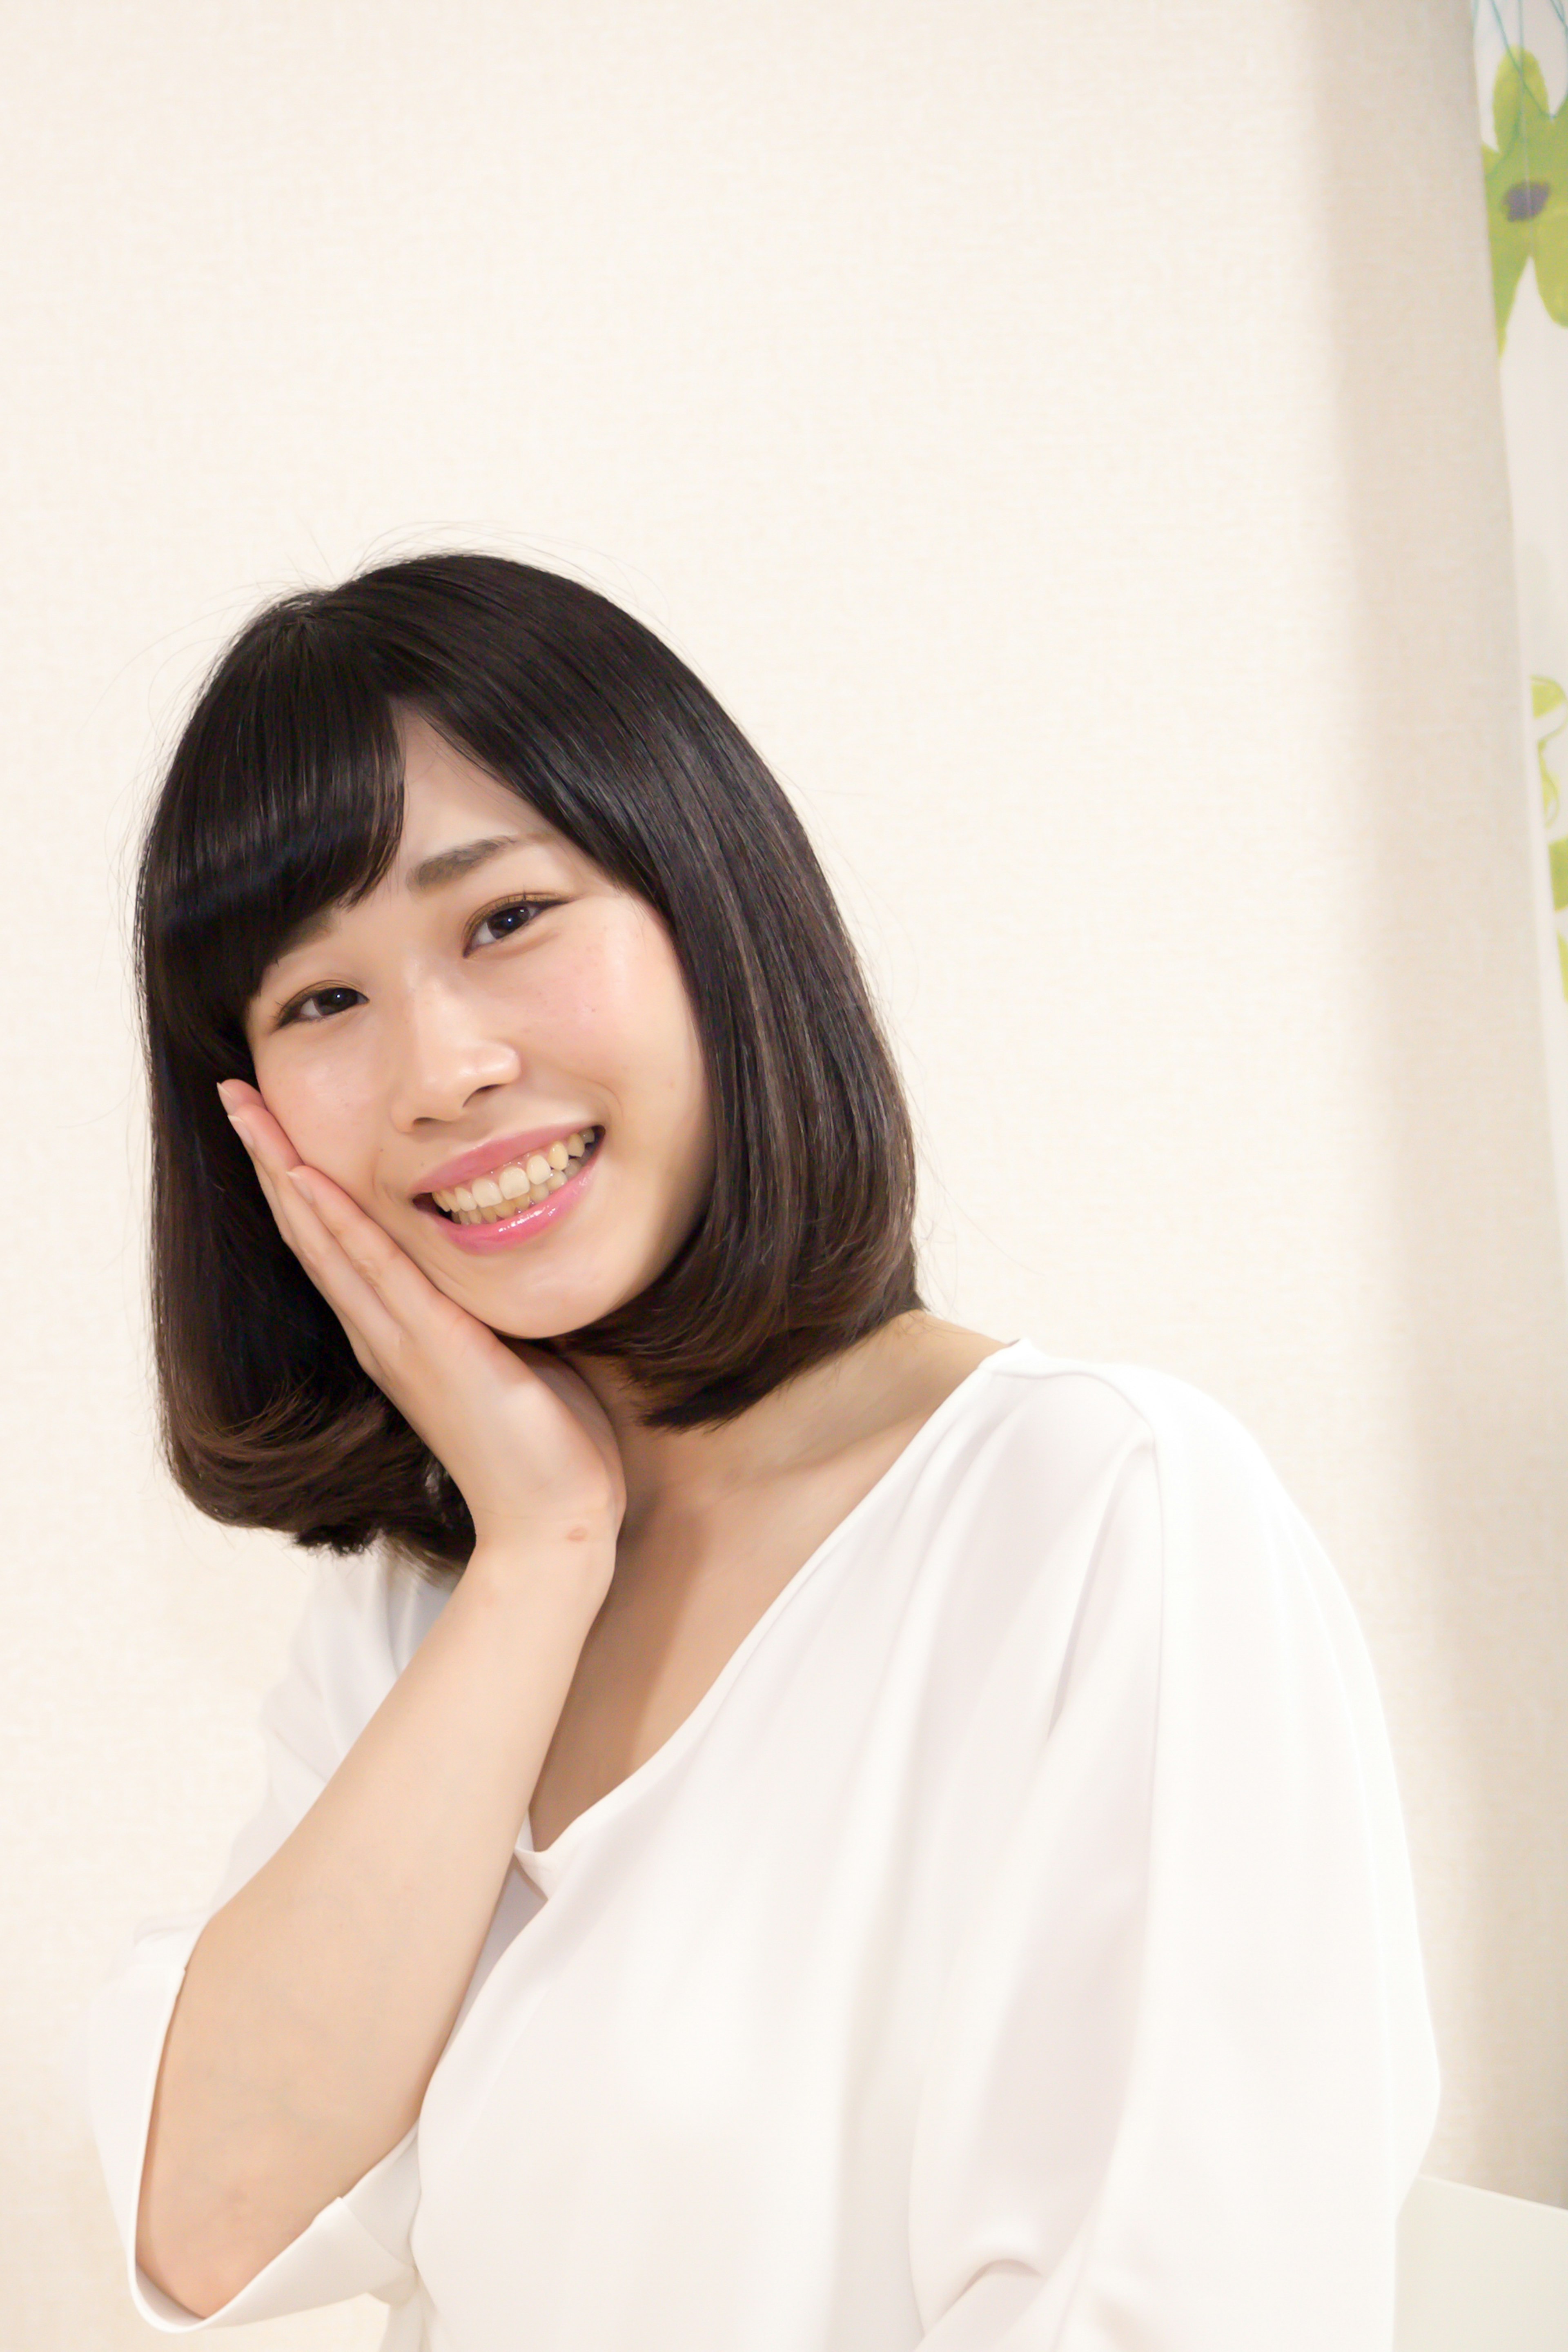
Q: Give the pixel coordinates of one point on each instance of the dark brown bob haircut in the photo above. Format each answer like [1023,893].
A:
[284,797]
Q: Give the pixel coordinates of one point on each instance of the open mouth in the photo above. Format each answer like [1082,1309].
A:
[520,1184]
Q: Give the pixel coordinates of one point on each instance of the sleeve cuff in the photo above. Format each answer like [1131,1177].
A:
[356,2246]
[337,2256]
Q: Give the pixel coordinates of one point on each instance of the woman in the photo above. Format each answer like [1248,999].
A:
[790,1823]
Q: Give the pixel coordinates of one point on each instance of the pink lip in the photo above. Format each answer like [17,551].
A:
[485,1158]
[479,1240]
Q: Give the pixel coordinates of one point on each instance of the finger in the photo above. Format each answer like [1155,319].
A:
[416,1309]
[269,1150]
[336,1257]
[320,1251]
[272,1155]
[269,1179]
[255,1125]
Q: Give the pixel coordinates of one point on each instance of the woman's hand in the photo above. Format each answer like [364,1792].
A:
[531,1448]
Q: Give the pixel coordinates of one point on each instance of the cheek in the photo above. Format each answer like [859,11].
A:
[323,1121]
[621,1009]
[664,1058]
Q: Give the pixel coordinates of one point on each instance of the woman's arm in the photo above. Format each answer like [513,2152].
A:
[315,2003]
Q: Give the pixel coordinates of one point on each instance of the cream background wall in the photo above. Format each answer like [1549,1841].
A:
[1067,439]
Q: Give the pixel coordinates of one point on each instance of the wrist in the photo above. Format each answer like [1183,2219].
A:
[575,1561]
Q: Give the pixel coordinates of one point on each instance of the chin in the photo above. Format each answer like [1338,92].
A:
[554,1325]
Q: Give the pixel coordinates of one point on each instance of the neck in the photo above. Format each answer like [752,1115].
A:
[807,1417]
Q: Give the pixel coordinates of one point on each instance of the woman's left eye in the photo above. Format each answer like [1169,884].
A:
[507,920]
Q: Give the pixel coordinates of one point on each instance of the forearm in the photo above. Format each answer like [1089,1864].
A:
[317,2001]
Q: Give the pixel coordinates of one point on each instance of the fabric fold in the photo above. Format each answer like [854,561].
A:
[1183,2074]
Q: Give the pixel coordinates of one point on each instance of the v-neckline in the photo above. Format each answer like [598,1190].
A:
[548,1860]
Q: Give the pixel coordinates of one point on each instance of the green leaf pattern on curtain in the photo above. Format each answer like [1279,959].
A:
[1521,88]
[1521,50]
[1527,189]
[1548,701]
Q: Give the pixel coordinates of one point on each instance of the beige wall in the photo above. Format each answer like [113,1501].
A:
[1067,438]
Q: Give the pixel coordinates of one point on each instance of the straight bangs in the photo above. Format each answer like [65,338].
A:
[284,798]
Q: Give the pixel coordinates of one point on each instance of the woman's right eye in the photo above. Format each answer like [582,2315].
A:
[301,1010]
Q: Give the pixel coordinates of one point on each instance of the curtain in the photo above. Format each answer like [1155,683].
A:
[1521,71]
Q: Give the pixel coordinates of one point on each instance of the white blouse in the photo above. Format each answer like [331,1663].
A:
[1013,1951]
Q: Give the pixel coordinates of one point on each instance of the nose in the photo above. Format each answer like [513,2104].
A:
[443,1054]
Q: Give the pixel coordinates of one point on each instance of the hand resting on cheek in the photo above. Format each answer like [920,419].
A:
[529,1445]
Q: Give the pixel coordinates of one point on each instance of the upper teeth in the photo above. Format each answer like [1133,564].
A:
[520,1183]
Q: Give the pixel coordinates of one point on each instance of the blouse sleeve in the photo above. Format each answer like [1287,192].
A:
[1185,2071]
[341,1663]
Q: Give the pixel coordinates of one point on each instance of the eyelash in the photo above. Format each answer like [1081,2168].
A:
[527,903]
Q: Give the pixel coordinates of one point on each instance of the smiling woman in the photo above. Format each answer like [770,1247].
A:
[789,1822]
[461,828]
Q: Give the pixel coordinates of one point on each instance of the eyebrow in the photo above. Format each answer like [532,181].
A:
[430,874]
[447,864]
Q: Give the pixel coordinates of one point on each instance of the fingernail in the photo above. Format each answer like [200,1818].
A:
[301,1183]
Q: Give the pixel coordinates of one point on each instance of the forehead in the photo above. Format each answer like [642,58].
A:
[444,791]
[455,817]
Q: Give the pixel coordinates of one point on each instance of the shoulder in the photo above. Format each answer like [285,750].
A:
[1055,1409]
[1176,1471]
[1186,1542]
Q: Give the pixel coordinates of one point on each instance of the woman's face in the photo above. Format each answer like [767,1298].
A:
[494,1000]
